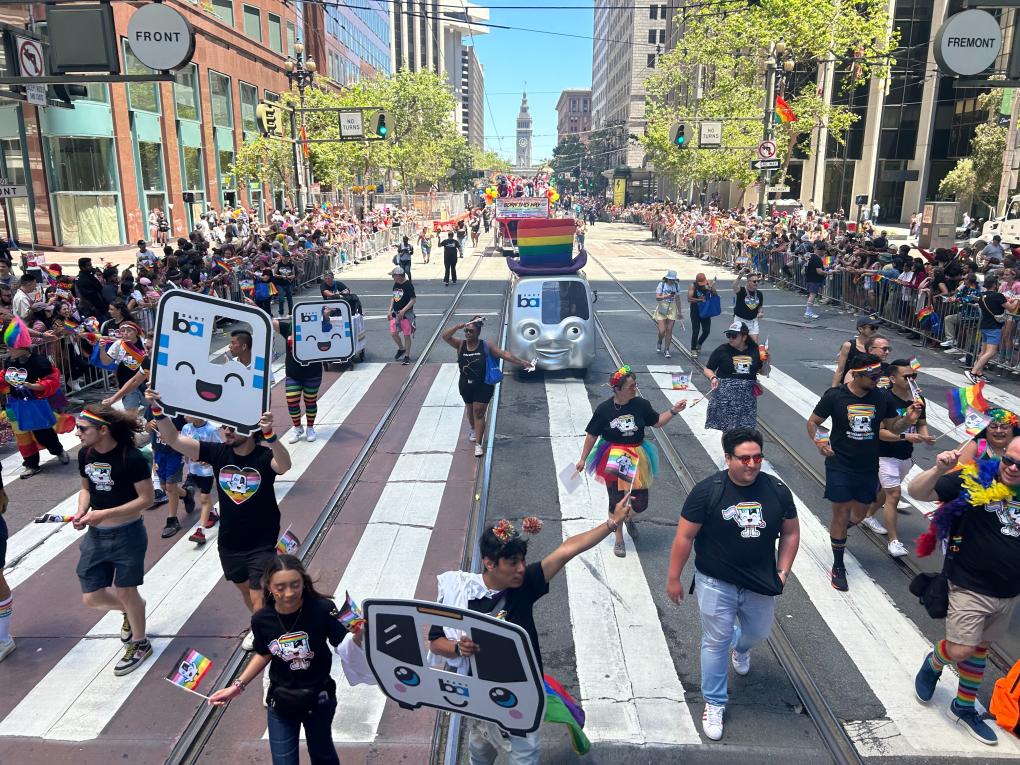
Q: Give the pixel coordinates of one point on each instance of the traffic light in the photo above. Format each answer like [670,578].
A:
[381,125]
[678,135]
[270,120]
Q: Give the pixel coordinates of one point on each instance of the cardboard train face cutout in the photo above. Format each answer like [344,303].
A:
[505,685]
[191,379]
[551,321]
[323,331]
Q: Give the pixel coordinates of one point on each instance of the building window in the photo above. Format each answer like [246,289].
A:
[291,38]
[16,210]
[662,35]
[186,93]
[142,96]
[150,161]
[651,60]
[228,184]
[219,99]
[253,23]
[249,95]
[84,186]
[224,11]
[192,177]
[271,96]
[662,12]
[653,11]
[275,32]
[652,35]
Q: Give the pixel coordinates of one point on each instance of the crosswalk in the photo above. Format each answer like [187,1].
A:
[628,683]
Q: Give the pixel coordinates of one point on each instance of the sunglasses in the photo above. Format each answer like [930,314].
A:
[732,335]
[910,376]
[747,459]
[1000,425]
[1009,461]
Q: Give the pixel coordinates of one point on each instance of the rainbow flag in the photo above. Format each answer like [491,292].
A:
[70,325]
[681,380]
[16,334]
[246,285]
[915,364]
[272,290]
[136,353]
[560,707]
[974,421]
[622,462]
[784,113]
[288,543]
[924,313]
[546,242]
[959,400]
[189,670]
[827,261]
[350,615]
[223,264]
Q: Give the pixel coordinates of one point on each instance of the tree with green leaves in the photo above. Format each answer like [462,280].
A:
[730,47]
[976,177]
[265,160]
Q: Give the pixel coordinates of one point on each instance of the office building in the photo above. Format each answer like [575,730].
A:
[348,42]
[429,36]
[472,98]
[96,171]
[573,114]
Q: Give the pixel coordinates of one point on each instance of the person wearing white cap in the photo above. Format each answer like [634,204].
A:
[666,311]
[749,302]
[733,369]
[402,313]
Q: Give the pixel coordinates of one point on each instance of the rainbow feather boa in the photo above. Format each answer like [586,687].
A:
[979,487]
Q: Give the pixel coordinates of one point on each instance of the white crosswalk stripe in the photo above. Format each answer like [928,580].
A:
[883,643]
[629,688]
[80,695]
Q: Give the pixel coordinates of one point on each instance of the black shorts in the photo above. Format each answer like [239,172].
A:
[3,543]
[475,392]
[638,498]
[201,483]
[240,566]
[114,556]
[846,486]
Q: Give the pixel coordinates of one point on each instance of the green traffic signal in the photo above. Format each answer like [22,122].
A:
[681,135]
[381,129]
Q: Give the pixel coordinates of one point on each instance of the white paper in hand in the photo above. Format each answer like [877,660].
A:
[570,479]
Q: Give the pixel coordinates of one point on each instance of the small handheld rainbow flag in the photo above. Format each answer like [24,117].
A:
[960,399]
[288,543]
[246,285]
[350,615]
[763,351]
[48,518]
[272,290]
[974,421]
[560,707]
[681,380]
[622,463]
[915,391]
[16,334]
[925,312]
[784,113]
[822,436]
[70,325]
[827,261]
[189,671]
[134,352]
[223,264]
[915,364]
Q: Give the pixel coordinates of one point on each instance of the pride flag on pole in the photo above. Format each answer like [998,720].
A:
[350,615]
[288,543]
[784,113]
[960,400]
[189,670]
[622,463]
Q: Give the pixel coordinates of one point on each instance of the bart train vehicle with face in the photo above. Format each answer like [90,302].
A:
[552,320]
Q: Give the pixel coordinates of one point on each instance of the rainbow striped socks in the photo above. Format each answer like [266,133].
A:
[939,657]
[971,671]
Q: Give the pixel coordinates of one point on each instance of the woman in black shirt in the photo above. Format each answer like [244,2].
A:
[733,371]
[290,635]
[615,439]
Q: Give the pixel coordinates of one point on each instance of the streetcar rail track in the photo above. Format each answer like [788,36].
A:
[830,728]
[997,655]
[203,724]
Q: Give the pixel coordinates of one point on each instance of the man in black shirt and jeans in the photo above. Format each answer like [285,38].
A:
[451,248]
[507,585]
[984,576]
[859,410]
[732,521]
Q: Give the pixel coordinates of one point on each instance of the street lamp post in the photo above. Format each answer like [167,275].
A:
[301,73]
[772,82]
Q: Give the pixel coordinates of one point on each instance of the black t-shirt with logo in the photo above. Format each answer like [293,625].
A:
[336,287]
[298,642]
[471,363]
[402,295]
[29,369]
[992,304]
[729,362]
[855,424]
[284,271]
[249,515]
[517,608]
[294,369]
[748,304]
[737,539]
[988,559]
[902,449]
[112,475]
[622,424]
[450,248]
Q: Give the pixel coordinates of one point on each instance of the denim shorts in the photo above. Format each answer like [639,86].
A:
[991,336]
[113,556]
[845,486]
[133,400]
[813,288]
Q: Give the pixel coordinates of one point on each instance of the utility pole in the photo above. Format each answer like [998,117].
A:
[766,133]
[697,97]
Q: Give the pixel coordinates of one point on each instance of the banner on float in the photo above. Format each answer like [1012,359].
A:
[522,207]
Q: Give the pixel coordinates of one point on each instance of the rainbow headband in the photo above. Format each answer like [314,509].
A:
[619,376]
[95,419]
[131,325]
[1003,415]
[870,369]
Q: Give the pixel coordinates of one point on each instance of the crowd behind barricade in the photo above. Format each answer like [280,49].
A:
[966,299]
[232,255]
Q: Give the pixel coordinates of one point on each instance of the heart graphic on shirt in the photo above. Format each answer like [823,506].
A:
[15,375]
[240,484]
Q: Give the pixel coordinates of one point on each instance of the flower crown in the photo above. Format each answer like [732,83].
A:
[1003,415]
[619,376]
[505,531]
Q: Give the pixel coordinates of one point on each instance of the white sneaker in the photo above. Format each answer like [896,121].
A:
[947,343]
[248,644]
[6,648]
[667,354]
[875,525]
[711,721]
[478,450]
[310,434]
[896,549]
[741,662]
[296,434]
[471,434]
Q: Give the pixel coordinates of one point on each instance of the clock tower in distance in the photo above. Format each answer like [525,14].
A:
[524,135]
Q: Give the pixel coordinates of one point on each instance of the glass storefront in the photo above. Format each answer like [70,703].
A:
[83,185]
[150,162]
[17,214]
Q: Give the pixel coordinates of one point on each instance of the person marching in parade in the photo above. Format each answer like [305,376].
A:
[732,370]
[615,450]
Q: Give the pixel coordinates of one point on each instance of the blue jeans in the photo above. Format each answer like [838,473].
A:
[284,736]
[285,292]
[731,618]
[524,750]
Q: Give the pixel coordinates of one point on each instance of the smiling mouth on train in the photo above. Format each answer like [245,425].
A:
[208,391]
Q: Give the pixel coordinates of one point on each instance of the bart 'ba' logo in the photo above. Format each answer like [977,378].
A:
[528,301]
[187,325]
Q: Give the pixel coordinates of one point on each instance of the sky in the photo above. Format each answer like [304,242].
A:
[547,63]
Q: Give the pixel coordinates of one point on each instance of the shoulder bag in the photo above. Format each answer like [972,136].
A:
[999,317]
[711,306]
[493,374]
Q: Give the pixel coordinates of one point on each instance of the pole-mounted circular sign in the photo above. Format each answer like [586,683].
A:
[160,37]
[968,42]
